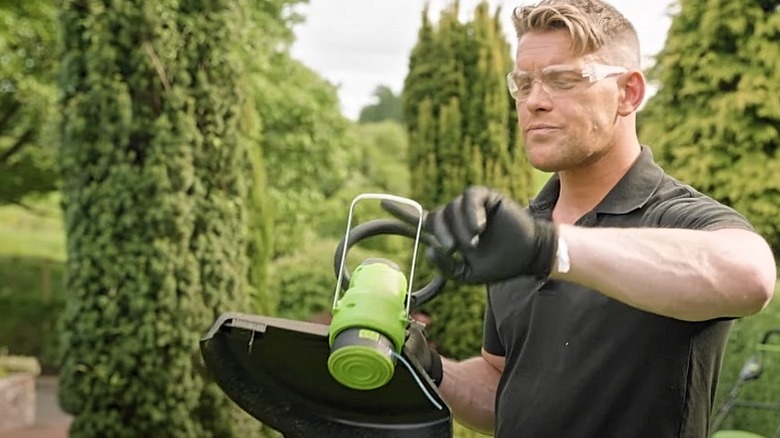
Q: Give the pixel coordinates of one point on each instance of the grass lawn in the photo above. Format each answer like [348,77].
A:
[745,335]
[34,233]
[32,259]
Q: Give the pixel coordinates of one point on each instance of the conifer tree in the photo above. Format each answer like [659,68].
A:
[462,132]
[156,183]
[714,122]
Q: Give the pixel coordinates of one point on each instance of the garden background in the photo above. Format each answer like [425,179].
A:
[164,161]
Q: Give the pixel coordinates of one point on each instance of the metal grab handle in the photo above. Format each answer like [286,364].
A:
[392,227]
[379,196]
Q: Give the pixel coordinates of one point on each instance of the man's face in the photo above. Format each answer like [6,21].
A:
[563,129]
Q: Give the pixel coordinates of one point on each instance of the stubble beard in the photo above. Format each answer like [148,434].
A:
[557,155]
[552,155]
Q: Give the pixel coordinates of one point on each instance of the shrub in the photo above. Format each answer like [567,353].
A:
[18,364]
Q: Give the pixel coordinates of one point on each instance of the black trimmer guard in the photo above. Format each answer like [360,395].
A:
[276,370]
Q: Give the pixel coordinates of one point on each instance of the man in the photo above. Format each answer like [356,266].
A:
[611,296]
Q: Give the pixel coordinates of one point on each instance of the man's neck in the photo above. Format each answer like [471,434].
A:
[583,188]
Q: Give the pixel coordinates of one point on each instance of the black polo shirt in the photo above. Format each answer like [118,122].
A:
[582,365]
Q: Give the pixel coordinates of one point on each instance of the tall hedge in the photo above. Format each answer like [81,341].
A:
[462,131]
[155,185]
[715,120]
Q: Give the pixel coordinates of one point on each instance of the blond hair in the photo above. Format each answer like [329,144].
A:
[594,26]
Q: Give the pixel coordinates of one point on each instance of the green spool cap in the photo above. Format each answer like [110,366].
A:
[361,359]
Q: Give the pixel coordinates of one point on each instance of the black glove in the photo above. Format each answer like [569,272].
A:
[416,346]
[485,237]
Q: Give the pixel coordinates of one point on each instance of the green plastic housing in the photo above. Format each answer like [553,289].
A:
[370,314]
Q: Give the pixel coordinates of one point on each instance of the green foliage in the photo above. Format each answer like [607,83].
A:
[540,179]
[32,293]
[29,325]
[316,160]
[379,166]
[305,139]
[306,145]
[18,364]
[306,280]
[267,34]
[155,186]
[745,335]
[35,231]
[304,276]
[381,157]
[275,20]
[269,37]
[462,132]
[28,94]
[260,239]
[460,431]
[711,122]
[388,106]
[376,166]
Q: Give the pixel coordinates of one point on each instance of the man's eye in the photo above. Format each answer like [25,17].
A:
[523,84]
[563,81]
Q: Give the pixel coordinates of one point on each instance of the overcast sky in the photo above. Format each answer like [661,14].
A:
[359,44]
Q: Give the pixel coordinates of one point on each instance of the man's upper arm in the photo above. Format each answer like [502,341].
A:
[735,233]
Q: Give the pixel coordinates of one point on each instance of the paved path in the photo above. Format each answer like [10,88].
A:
[50,421]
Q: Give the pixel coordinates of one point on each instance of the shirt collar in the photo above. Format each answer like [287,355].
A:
[630,193]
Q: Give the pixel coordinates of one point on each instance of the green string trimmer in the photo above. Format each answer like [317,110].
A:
[349,379]
[369,322]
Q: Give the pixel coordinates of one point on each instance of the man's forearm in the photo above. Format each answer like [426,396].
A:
[685,274]
[469,388]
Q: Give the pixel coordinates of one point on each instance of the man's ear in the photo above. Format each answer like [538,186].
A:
[632,94]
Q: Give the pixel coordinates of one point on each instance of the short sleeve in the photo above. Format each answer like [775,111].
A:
[700,213]
[491,341]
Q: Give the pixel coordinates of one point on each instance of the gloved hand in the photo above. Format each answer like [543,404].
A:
[416,346]
[485,237]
